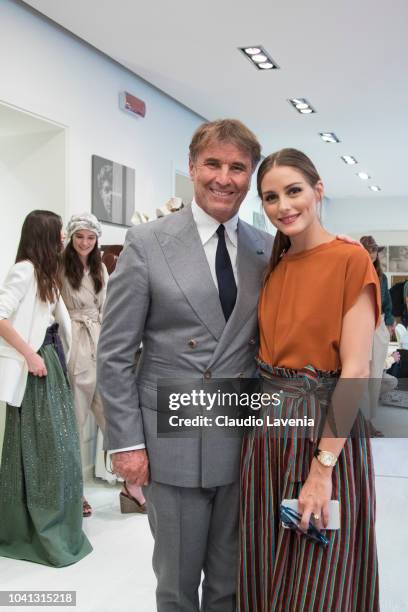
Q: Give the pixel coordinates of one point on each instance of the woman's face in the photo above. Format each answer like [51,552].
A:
[84,242]
[289,201]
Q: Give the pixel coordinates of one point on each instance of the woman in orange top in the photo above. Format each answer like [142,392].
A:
[317,314]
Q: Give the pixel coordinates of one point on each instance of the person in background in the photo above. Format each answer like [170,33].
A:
[384,330]
[404,318]
[40,474]
[309,361]
[84,290]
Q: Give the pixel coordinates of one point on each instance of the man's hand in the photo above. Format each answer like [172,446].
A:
[349,240]
[132,466]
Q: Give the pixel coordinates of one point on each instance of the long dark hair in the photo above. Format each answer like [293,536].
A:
[378,267]
[74,268]
[299,161]
[40,243]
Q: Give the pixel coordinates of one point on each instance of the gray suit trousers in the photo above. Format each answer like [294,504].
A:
[194,528]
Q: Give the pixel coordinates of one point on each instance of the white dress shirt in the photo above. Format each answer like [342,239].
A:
[207,227]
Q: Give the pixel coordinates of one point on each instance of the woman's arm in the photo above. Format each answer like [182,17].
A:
[19,281]
[355,354]
[105,286]
[35,363]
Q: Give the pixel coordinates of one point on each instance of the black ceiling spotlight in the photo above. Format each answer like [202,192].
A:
[349,159]
[302,105]
[259,57]
[329,137]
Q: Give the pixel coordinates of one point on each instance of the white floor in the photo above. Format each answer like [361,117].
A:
[117,576]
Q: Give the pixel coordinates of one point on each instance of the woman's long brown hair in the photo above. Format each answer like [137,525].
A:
[40,243]
[74,268]
[378,267]
[300,162]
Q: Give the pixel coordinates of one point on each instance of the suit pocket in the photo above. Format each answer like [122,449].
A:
[147,395]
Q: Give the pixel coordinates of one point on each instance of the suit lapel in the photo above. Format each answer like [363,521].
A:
[251,262]
[188,264]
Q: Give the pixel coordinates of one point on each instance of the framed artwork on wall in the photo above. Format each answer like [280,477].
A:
[113,191]
[398,259]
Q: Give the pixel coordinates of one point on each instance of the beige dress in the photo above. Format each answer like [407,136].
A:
[85,309]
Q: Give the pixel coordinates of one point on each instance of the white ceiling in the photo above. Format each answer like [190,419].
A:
[348,58]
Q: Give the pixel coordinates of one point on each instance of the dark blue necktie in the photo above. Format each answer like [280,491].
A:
[227,287]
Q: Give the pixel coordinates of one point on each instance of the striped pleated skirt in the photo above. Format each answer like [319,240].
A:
[280,570]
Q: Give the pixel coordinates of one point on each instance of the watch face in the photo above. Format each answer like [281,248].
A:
[326,460]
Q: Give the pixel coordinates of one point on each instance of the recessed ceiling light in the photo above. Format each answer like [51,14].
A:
[375,188]
[349,159]
[302,105]
[363,175]
[252,50]
[329,137]
[259,57]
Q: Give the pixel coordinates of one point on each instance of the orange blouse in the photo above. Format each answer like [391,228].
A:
[304,300]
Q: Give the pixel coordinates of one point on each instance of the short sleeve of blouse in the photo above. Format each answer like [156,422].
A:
[360,273]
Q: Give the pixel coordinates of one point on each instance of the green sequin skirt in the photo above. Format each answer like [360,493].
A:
[41,475]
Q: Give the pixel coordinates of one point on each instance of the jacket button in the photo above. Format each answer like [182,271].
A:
[207,374]
[252,341]
[192,343]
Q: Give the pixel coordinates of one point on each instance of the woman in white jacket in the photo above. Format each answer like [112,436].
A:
[40,473]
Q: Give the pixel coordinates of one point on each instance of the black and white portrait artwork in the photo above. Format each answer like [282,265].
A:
[113,191]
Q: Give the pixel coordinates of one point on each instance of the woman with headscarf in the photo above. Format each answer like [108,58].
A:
[84,290]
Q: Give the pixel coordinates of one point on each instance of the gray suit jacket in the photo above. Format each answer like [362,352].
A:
[162,294]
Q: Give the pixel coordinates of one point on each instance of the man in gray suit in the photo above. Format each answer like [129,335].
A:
[187,287]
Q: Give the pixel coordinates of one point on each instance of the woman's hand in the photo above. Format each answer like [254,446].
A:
[36,365]
[315,496]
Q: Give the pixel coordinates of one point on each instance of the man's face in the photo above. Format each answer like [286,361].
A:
[221,175]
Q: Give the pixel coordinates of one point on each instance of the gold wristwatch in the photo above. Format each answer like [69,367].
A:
[326,458]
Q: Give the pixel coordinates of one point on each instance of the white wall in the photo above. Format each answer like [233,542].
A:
[384,218]
[51,74]
[32,175]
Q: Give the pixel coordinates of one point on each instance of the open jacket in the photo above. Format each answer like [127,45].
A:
[30,317]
